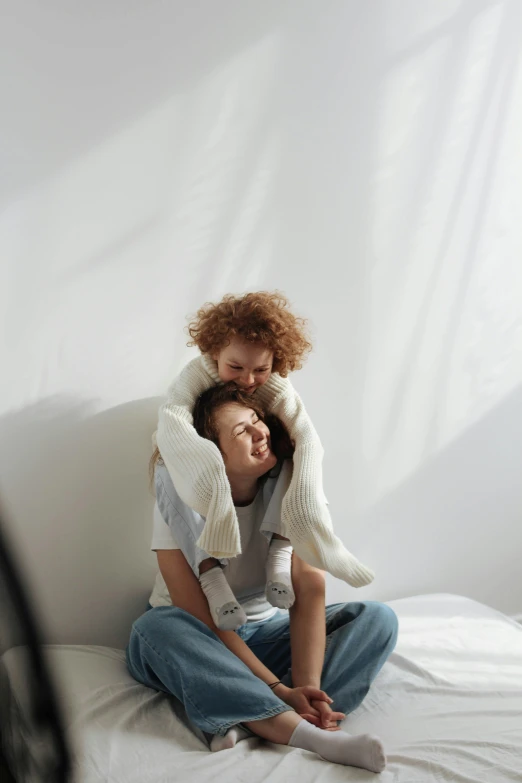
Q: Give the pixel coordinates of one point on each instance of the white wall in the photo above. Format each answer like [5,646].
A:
[364,158]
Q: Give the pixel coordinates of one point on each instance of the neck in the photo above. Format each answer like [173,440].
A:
[244,489]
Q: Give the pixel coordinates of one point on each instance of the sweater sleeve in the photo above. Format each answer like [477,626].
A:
[305,497]
[195,464]
[280,398]
[304,512]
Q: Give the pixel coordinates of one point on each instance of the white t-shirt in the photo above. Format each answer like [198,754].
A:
[245,574]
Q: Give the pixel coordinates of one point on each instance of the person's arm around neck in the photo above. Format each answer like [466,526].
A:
[195,464]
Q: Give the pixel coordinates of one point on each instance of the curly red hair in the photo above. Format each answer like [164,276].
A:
[258,317]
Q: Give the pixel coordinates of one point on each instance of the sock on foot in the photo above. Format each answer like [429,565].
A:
[363,750]
[234,735]
[225,610]
[279,590]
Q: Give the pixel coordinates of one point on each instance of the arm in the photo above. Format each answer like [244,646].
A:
[281,399]
[307,623]
[308,638]
[304,512]
[305,501]
[195,464]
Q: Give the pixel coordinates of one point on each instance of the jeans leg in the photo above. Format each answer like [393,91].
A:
[360,637]
[172,651]
[270,642]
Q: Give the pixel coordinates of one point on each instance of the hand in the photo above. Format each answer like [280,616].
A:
[301,699]
[326,718]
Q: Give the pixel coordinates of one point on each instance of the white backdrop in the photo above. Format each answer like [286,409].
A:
[365,159]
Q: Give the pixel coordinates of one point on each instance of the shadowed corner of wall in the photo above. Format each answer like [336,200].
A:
[76,487]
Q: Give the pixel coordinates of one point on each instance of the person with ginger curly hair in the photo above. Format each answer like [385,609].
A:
[256,341]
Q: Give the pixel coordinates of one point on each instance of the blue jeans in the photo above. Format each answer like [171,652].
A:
[171,651]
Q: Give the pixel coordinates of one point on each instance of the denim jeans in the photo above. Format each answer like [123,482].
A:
[172,651]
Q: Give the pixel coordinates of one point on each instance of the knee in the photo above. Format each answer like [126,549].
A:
[157,629]
[384,624]
[164,628]
[163,622]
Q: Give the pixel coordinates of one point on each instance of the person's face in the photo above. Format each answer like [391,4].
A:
[244,441]
[248,364]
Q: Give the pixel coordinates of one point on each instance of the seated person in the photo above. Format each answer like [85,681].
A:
[254,677]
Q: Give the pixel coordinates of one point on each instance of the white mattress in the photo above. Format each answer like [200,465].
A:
[447,705]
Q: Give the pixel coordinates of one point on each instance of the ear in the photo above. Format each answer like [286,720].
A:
[216,352]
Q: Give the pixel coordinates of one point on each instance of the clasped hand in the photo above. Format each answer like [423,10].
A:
[313,705]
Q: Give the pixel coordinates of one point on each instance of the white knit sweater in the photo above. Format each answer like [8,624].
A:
[198,473]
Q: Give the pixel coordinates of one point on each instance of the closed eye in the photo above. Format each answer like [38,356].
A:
[255,419]
[258,369]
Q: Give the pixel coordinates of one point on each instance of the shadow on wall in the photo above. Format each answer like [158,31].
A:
[80,513]
[459,518]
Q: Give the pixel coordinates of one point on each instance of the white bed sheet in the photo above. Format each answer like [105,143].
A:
[447,705]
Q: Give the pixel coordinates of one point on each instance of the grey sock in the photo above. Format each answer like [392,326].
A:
[279,590]
[225,610]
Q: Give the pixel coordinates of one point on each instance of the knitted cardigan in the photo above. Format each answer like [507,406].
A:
[198,472]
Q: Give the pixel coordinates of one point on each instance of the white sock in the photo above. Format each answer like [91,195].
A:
[279,590]
[224,609]
[364,750]
[234,735]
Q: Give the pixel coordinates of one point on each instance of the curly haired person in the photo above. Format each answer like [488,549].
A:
[255,341]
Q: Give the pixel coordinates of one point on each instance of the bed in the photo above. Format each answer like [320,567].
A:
[447,705]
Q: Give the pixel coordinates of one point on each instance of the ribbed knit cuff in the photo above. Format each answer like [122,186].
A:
[211,367]
[271,391]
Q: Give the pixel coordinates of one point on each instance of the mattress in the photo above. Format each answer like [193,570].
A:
[447,706]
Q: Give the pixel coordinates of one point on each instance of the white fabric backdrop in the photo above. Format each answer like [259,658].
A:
[362,157]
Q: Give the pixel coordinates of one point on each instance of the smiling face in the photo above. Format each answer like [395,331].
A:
[247,364]
[244,441]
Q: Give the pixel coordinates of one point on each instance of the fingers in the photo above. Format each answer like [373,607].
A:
[328,722]
[308,708]
[318,694]
[327,713]
[328,716]
[316,722]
